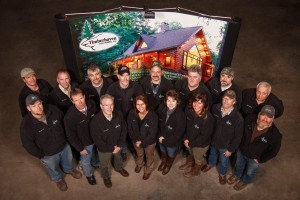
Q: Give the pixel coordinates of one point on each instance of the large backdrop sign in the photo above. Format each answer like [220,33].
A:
[135,37]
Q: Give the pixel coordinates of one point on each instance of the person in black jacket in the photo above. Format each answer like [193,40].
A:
[227,134]
[77,121]
[155,85]
[200,126]
[261,142]
[60,95]
[142,128]
[255,98]
[124,92]
[218,86]
[43,136]
[96,85]
[32,85]
[172,121]
[108,130]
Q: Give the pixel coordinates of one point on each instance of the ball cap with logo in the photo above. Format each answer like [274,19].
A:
[31,99]
[123,69]
[26,72]
[268,110]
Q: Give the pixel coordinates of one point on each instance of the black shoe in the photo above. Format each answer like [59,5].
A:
[123,172]
[91,180]
[124,156]
[95,166]
[107,182]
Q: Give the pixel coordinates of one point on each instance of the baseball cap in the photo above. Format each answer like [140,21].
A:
[31,99]
[26,72]
[123,69]
[156,63]
[268,110]
[228,71]
[230,93]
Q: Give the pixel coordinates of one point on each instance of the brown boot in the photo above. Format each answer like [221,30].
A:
[194,172]
[162,165]
[189,163]
[168,165]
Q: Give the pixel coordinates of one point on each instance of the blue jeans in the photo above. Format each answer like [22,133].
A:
[171,151]
[218,154]
[52,163]
[87,160]
[242,163]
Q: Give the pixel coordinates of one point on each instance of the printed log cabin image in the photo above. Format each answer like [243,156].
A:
[175,49]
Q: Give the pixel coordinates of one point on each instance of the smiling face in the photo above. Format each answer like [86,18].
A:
[262,93]
[79,101]
[263,121]
[193,79]
[63,79]
[155,74]
[141,106]
[37,109]
[30,80]
[225,80]
[95,76]
[228,103]
[171,102]
[198,106]
[124,80]
[107,106]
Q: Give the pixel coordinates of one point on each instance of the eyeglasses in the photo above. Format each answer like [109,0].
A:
[108,106]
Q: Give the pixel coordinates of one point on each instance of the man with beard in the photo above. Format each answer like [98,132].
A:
[32,85]
[218,86]
[60,95]
[255,98]
[43,136]
[261,142]
[96,86]
[124,91]
[155,85]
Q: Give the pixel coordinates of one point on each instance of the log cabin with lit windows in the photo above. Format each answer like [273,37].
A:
[176,49]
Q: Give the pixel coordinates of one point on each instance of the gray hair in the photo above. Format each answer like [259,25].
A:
[195,68]
[264,84]
[106,96]
[93,67]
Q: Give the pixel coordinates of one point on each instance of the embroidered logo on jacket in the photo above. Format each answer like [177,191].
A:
[263,139]
[170,127]
[146,125]
[228,123]
[196,126]
[41,130]
[249,106]
[54,121]
[161,96]
[117,126]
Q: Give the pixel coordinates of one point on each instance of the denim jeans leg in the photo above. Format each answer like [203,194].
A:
[105,159]
[162,148]
[52,165]
[213,157]
[86,161]
[95,161]
[66,158]
[124,148]
[223,162]
[172,151]
[251,170]
[118,163]
[239,165]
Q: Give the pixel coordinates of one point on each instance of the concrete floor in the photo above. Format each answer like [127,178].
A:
[267,49]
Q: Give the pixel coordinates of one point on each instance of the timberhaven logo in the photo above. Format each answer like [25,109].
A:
[99,42]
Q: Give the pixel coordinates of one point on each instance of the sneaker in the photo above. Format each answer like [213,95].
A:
[76,174]
[124,156]
[62,185]
[232,179]
[239,186]
[107,182]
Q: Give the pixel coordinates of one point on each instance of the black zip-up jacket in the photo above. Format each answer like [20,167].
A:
[229,129]
[172,130]
[108,134]
[91,93]
[44,90]
[124,97]
[263,147]
[77,126]
[60,99]
[250,106]
[199,130]
[214,87]
[181,86]
[155,100]
[147,132]
[41,139]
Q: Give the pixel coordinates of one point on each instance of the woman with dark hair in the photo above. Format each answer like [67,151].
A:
[200,126]
[142,129]
[171,129]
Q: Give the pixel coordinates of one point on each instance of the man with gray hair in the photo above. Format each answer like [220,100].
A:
[261,142]
[255,98]
[32,85]
[218,86]
[108,130]
[191,85]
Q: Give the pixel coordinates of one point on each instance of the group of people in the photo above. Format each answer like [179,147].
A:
[99,119]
